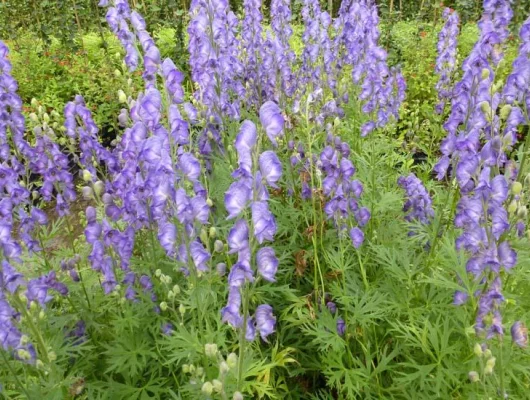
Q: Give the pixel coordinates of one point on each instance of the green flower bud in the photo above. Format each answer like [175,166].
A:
[210,349]
[522,212]
[170,295]
[40,110]
[237,396]
[491,362]
[99,187]
[33,117]
[517,188]
[213,232]
[204,235]
[486,108]
[223,367]
[23,298]
[200,371]
[33,306]
[117,73]
[512,207]
[129,82]
[122,97]
[485,73]
[23,354]
[473,376]
[185,368]
[207,388]
[182,309]
[24,340]
[176,289]
[35,195]
[209,202]
[46,117]
[231,360]
[52,356]
[87,176]
[34,102]
[505,111]
[478,350]
[158,272]
[163,306]
[488,370]
[39,364]
[217,385]
[192,369]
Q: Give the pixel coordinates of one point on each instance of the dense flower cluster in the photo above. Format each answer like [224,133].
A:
[446,61]
[341,190]
[477,147]
[419,204]
[249,193]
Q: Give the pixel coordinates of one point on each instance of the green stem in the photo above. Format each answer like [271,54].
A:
[36,332]
[6,362]
[501,369]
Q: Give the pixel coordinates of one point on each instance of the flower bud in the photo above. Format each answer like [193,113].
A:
[223,367]
[99,187]
[192,369]
[24,340]
[218,246]
[209,202]
[182,309]
[35,195]
[213,232]
[505,111]
[231,360]
[221,269]
[33,117]
[210,349]
[40,110]
[33,306]
[207,388]
[485,73]
[200,371]
[237,396]
[34,102]
[478,350]
[522,212]
[129,82]
[163,306]
[158,272]
[185,368]
[485,107]
[87,176]
[46,117]
[170,295]
[512,207]
[122,97]
[87,192]
[117,73]
[176,289]
[217,385]
[517,188]
[23,354]
[491,362]
[473,376]
[39,364]
[52,356]
[23,298]
[42,315]
[488,370]
[204,235]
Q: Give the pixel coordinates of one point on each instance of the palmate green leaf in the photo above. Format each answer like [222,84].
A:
[129,355]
